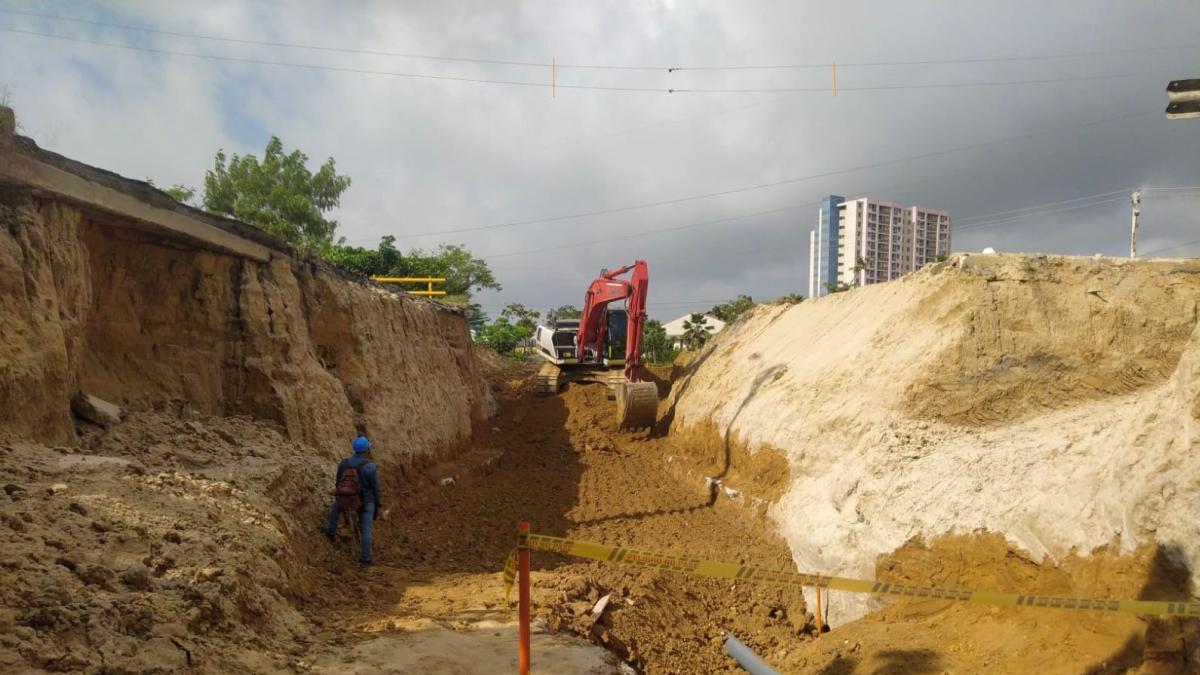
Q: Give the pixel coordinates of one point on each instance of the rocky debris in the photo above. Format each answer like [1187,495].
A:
[136,576]
[109,567]
[96,410]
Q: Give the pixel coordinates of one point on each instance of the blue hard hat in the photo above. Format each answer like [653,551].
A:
[361,444]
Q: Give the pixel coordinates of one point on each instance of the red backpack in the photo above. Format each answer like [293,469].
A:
[349,496]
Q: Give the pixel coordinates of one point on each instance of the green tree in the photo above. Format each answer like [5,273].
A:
[179,192]
[859,265]
[476,317]
[657,346]
[464,273]
[500,335]
[6,101]
[522,315]
[385,260]
[789,299]
[278,194]
[730,311]
[564,312]
[524,320]
[836,288]
[696,331]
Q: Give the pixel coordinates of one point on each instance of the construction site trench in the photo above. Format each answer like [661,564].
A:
[177,390]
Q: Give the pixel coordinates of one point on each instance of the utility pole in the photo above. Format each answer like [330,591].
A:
[1135,200]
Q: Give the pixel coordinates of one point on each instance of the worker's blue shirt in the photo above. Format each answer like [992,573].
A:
[368,477]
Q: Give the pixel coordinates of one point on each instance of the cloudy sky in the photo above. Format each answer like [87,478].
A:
[1028,121]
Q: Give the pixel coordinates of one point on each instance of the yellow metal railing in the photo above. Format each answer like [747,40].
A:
[429,281]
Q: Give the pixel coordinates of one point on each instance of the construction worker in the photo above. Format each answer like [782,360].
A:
[356,490]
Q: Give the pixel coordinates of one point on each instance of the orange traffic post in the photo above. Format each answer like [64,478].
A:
[523,596]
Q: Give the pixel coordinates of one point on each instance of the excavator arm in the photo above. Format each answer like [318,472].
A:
[609,288]
[637,401]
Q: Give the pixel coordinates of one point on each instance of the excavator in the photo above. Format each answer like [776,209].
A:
[604,345]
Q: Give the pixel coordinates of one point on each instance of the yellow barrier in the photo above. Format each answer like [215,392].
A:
[430,281]
[719,570]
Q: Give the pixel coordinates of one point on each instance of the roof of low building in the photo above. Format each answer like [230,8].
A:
[675,328]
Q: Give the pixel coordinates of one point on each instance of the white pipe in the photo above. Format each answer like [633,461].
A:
[747,659]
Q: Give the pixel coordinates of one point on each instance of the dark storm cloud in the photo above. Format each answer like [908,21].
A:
[434,156]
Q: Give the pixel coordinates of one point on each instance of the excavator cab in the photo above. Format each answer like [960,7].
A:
[616,337]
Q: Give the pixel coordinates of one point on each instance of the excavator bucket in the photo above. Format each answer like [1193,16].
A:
[549,379]
[637,405]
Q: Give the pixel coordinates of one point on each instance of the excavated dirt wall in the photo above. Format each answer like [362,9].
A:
[1050,399]
[94,305]
[184,537]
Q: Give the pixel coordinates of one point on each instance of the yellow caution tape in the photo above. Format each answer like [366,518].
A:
[510,573]
[719,570]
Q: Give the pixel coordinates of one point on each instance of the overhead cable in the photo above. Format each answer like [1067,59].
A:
[786,181]
[552,85]
[592,66]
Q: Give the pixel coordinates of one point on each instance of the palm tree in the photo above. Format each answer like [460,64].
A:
[696,331]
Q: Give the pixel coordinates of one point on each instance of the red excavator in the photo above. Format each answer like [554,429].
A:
[602,339]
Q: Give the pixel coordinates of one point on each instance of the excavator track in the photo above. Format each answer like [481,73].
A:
[637,405]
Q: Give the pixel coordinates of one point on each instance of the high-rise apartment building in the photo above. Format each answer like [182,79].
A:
[868,241]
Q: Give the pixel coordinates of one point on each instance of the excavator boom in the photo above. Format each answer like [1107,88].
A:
[609,288]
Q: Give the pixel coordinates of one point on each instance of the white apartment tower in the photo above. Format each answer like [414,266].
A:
[871,241]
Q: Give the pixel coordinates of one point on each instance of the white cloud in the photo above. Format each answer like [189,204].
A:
[433,155]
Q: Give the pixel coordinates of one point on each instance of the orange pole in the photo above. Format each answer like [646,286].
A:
[523,597]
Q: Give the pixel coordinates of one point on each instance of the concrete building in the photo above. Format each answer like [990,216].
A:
[868,241]
[822,246]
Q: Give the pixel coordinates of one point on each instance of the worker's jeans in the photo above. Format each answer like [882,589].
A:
[366,518]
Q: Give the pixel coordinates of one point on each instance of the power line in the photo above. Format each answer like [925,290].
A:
[1170,248]
[892,87]
[548,85]
[787,181]
[1042,212]
[323,48]
[648,233]
[939,62]
[1029,211]
[583,66]
[989,216]
[335,69]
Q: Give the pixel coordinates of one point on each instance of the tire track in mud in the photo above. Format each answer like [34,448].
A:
[560,463]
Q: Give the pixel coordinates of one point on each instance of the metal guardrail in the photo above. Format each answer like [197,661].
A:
[429,281]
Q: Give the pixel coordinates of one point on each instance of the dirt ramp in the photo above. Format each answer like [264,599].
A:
[1048,399]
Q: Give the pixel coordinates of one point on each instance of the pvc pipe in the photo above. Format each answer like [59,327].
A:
[747,659]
